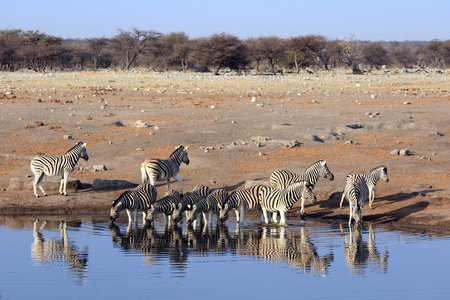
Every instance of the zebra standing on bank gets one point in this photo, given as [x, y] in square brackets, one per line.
[283, 178]
[281, 200]
[55, 165]
[189, 199]
[356, 191]
[137, 199]
[163, 169]
[240, 201]
[372, 178]
[165, 205]
[212, 203]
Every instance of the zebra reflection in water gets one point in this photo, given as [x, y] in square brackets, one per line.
[358, 252]
[57, 252]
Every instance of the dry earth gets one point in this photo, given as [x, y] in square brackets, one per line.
[352, 121]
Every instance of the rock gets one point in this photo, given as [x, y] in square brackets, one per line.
[395, 152]
[254, 99]
[48, 183]
[406, 103]
[141, 124]
[99, 168]
[67, 137]
[404, 152]
[250, 183]
[373, 96]
[100, 184]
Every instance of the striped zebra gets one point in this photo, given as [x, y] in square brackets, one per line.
[356, 191]
[212, 203]
[372, 178]
[55, 165]
[281, 200]
[283, 178]
[189, 199]
[137, 199]
[240, 201]
[163, 169]
[165, 205]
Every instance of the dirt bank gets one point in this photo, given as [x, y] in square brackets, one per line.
[238, 128]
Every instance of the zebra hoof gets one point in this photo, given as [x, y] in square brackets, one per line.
[45, 195]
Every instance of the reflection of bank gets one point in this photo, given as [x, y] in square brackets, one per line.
[59, 252]
[359, 253]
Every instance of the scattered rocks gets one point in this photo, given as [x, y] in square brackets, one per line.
[99, 168]
[141, 124]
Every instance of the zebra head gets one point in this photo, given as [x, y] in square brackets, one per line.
[384, 174]
[181, 154]
[308, 194]
[223, 213]
[324, 171]
[151, 214]
[117, 206]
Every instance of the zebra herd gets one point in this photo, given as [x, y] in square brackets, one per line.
[285, 189]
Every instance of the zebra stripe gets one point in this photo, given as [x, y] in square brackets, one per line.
[138, 199]
[240, 201]
[356, 191]
[163, 169]
[165, 205]
[189, 199]
[281, 200]
[283, 178]
[55, 165]
[212, 203]
[372, 178]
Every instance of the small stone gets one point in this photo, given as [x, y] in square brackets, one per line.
[395, 152]
[373, 96]
[406, 103]
[67, 137]
[99, 168]
[404, 152]
[254, 99]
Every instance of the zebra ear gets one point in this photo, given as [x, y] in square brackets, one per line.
[189, 206]
[185, 147]
[84, 145]
[324, 163]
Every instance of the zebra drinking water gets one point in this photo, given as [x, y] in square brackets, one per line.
[283, 178]
[163, 169]
[55, 165]
[165, 205]
[356, 191]
[138, 199]
[372, 178]
[189, 199]
[281, 200]
[240, 201]
[213, 203]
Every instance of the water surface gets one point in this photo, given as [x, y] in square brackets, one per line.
[83, 257]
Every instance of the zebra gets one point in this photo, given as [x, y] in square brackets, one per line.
[356, 191]
[212, 203]
[54, 165]
[163, 169]
[165, 205]
[137, 199]
[242, 200]
[283, 178]
[281, 200]
[189, 199]
[372, 178]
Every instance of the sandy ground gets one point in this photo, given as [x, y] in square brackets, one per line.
[352, 121]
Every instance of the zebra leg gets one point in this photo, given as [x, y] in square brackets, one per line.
[371, 197]
[130, 217]
[64, 183]
[241, 215]
[266, 219]
[302, 210]
[282, 218]
[275, 217]
[351, 215]
[342, 199]
[37, 181]
[177, 177]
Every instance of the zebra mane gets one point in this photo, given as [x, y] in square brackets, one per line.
[378, 168]
[119, 199]
[177, 151]
[317, 163]
[78, 145]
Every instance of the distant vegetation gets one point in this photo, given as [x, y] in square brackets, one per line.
[151, 50]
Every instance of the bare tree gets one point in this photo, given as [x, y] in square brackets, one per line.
[351, 54]
[129, 44]
[97, 45]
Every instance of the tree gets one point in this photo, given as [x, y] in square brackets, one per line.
[374, 55]
[307, 50]
[10, 43]
[402, 57]
[270, 48]
[96, 45]
[129, 44]
[221, 51]
[351, 54]
[169, 51]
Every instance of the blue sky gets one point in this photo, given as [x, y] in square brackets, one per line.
[365, 20]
